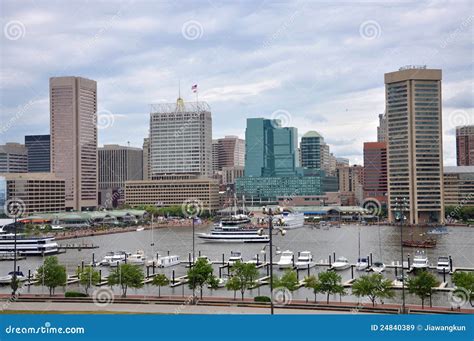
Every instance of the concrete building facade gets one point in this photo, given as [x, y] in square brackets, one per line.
[414, 151]
[39, 192]
[73, 124]
[13, 158]
[465, 145]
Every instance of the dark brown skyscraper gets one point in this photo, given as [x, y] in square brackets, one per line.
[375, 171]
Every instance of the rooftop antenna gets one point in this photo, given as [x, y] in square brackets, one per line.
[179, 101]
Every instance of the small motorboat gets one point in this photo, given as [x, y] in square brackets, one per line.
[256, 259]
[140, 229]
[137, 258]
[378, 267]
[443, 264]
[305, 260]
[286, 260]
[362, 263]
[8, 278]
[420, 261]
[340, 264]
[235, 256]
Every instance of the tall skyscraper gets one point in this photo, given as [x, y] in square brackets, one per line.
[39, 153]
[146, 159]
[117, 164]
[415, 154]
[382, 128]
[229, 152]
[73, 105]
[271, 150]
[181, 139]
[13, 158]
[311, 150]
[325, 158]
[215, 156]
[375, 171]
[465, 145]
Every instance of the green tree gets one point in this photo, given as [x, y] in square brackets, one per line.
[247, 274]
[233, 284]
[372, 286]
[421, 285]
[213, 283]
[288, 280]
[200, 274]
[51, 274]
[312, 282]
[160, 280]
[330, 284]
[126, 275]
[465, 280]
[88, 277]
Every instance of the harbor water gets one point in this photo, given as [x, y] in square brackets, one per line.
[383, 242]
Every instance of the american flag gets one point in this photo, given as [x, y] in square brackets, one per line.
[194, 88]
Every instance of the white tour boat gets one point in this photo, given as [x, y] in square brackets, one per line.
[420, 261]
[286, 260]
[305, 260]
[27, 246]
[340, 264]
[362, 263]
[114, 258]
[163, 261]
[222, 233]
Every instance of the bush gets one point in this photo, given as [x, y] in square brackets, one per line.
[265, 299]
[75, 294]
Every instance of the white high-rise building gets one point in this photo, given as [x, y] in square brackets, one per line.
[181, 139]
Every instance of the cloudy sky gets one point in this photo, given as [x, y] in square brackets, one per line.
[317, 65]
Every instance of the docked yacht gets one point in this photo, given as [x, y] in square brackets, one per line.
[289, 220]
[27, 246]
[378, 267]
[137, 258]
[114, 258]
[362, 263]
[222, 233]
[340, 264]
[305, 260]
[163, 261]
[286, 260]
[8, 278]
[420, 261]
[443, 264]
[235, 256]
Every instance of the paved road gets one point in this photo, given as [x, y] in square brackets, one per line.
[52, 307]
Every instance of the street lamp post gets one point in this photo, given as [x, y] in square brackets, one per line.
[270, 214]
[401, 207]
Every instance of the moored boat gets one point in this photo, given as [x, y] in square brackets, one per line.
[341, 263]
[286, 260]
[420, 260]
[305, 260]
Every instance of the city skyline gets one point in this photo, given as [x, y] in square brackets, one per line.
[265, 76]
